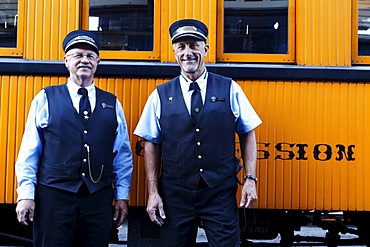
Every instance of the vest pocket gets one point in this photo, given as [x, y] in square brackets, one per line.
[168, 161]
[227, 158]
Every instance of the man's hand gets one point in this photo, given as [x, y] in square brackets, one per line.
[249, 194]
[120, 212]
[25, 211]
[155, 209]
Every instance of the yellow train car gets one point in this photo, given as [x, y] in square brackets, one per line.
[303, 64]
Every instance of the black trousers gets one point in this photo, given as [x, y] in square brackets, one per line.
[215, 208]
[66, 219]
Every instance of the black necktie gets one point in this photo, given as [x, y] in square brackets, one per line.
[196, 101]
[85, 108]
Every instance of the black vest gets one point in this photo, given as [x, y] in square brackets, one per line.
[64, 162]
[204, 149]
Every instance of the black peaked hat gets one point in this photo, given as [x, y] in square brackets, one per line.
[188, 28]
[80, 37]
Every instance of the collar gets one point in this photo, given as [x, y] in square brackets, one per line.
[202, 81]
[73, 88]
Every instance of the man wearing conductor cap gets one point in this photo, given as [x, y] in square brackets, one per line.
[75, 147]
[189, 125]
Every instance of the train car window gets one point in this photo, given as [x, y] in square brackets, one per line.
[361, 35]
[123, 25]
[364, 28]
[257, 27]
[8, 25]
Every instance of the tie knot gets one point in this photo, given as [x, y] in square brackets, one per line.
[194, 86]
[83, 92]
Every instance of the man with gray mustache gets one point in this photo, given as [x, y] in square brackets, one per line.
[189, 125]
[75, 147]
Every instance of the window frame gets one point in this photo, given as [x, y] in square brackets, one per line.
[130, 55]
[257, 57]
[356, 59]
[18, 50]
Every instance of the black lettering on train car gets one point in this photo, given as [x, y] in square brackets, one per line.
[265, 153]
[301, 151]
[342, 150]
[321, 152]
[289, 154]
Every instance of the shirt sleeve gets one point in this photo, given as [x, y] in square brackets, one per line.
[122, 164]
[148, 127]
[245, 116]
[26, 166]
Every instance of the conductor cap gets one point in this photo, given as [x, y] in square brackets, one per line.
[81, 37]
[188, 28]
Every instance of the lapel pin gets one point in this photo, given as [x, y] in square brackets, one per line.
[214, 99]
[104, 105]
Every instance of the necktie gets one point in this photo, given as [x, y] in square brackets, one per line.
[196, 101]
[85, 108]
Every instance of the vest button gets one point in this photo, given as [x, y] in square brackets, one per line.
[85, 131]
[84, 160]
[199, 156]
[197, 130]
[83, 174]
[198, 143]
[201, 170]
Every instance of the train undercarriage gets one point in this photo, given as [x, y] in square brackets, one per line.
[267, 224]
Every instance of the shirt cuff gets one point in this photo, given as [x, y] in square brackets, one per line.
[26, 192]
[122, 193]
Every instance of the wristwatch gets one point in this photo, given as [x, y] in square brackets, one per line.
[251, 177]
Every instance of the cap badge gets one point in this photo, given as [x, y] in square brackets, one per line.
[186, 29]
[87, 38]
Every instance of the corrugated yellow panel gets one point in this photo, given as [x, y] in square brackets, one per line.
[133, 93]
[11, 141]
[47, 24]
[16, 95]
[46, 28]
[312, 144]
[4, 112]
[173, 10]
[323, 32]
[15, 98]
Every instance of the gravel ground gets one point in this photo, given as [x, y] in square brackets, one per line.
[307, 234]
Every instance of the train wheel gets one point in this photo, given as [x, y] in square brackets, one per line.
[287, 236]
[332, 237]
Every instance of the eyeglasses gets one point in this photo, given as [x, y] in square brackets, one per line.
[79, 56]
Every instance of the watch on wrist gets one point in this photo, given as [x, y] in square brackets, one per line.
[251, 177]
